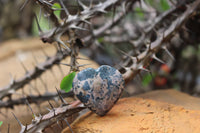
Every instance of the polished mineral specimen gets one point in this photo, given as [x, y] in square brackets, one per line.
[98, 89]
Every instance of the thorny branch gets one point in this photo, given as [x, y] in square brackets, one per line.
[47, 7]
[96, 33]
[33, 99]
[140, 62]
[56, 114]
[31, 75]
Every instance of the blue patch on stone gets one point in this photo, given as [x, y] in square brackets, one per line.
[106, 71]
[82, 98]
[86, 73]
[86, 86]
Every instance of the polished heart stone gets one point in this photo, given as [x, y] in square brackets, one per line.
[98, 89]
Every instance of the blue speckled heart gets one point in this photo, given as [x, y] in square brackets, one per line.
[98, 89]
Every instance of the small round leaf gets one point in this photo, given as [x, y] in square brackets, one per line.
[1, 122]
[66, 83]
[57, 8]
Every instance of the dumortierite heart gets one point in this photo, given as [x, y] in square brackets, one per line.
[98, 89]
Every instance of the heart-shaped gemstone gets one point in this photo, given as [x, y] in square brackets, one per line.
[98, 89]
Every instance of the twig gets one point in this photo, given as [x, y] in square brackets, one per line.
[142, 59]
[42, 122]
[31, 75]
[33, 99]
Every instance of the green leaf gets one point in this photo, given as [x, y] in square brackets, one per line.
[139, 12]
[1, 122]
[147, 79]
[150, 2]
[100, 39]
[164, 5]
[57, 7]
[66, 83]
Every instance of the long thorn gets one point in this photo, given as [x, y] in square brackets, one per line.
[84, 65]
[81, 4]
[61, 98]
[59, 125]
[33, 114]
[8, 128]
[38, 25]
[52, 107]
[159, 60]
[40, 13]
[65, 64]
[18, 120]
[167, 51]
[66, 11]
[26, 70]
[68, 125]
[25, 3]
